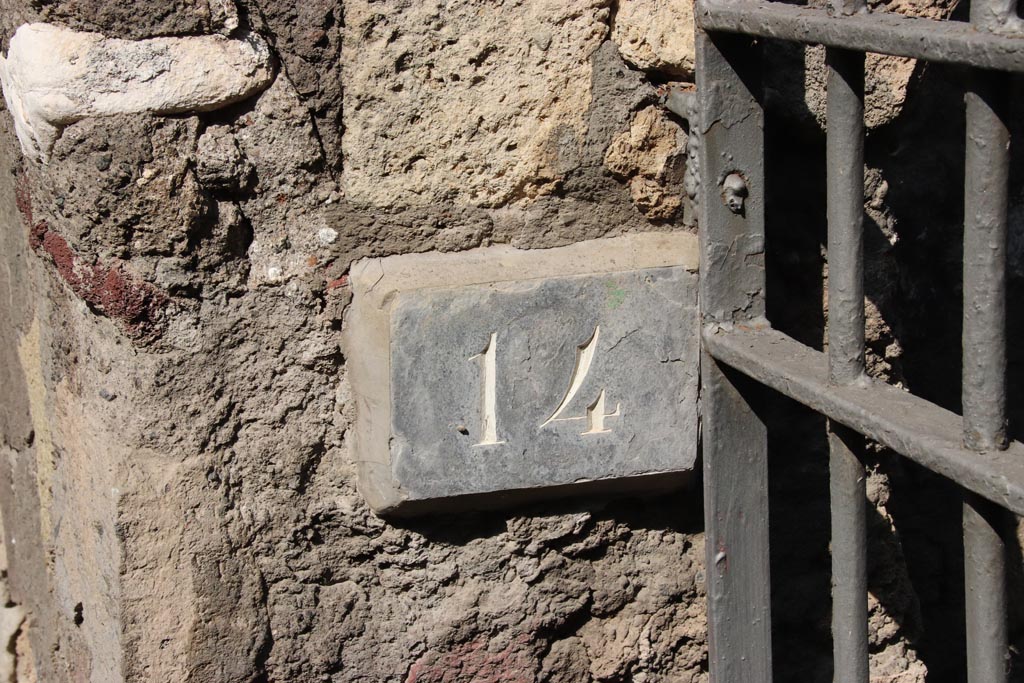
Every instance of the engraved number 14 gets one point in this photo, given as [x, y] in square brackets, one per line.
[595, 415]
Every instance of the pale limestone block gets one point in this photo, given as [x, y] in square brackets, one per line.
[54, 76]
[656, 35]
[886, 79]
[11, 619]
[478, 103]
[645, 156]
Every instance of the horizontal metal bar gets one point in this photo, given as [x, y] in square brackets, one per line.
[934, 40]
[912, 426]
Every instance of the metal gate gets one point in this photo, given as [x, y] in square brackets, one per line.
[741, 350]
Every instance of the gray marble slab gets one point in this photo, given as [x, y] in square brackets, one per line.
[527, 384]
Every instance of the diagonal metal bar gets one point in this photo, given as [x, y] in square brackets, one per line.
[912, 426]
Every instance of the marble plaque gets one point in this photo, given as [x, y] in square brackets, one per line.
[490, 375]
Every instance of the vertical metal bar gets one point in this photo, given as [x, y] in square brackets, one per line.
[987, 168]
[731, 137]
[985, 585]
[845, 161]
[994, 14]
[736, 522]
[984, 325]
[847, 488]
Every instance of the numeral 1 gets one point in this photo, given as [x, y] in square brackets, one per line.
[595, 416]
[489, 426]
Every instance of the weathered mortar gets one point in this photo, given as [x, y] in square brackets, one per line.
[177, 472]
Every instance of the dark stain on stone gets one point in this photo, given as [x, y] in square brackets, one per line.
[108, 288]
[23, 198]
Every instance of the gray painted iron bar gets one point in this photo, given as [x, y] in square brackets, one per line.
[986, 190]
[986, 187]
[736, 523]
[914, 427]
[934, 40]
[848, 491]
[731, 125]
[731, 137]
[847, 8]
[845, 169]
[985, 591]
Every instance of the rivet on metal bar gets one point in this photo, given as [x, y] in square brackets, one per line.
[731, 126]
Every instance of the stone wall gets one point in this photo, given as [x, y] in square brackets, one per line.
[177, 486]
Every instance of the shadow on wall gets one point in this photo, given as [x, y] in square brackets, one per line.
[678, 512]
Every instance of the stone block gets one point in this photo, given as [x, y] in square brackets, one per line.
[656, 35]
[53, 76]
[476, 103]
[509, 372]
[650, 155]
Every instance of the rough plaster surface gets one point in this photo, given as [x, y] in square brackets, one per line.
[656, 35]
[187, 277]
[176, 474]
[142, 18]
[53, 76]
[651, 157]
[484, 103]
